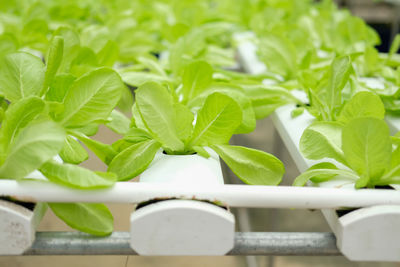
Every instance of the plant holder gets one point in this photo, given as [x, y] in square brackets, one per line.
[165, 226]
[367, 234]
[364, 234]
[19, 220]
[17, 226]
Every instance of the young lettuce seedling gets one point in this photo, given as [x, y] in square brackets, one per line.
[366, 149]
[326, 93]
[160, 122]
[360, 140]
[45, 108]
[352, 132]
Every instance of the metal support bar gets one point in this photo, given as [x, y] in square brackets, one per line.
[289, 244]
[76, 243]
[246, 243]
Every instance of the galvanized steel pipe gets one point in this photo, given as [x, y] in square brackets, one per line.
[261, 243]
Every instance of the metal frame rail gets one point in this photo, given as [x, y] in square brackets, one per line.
[246, 243]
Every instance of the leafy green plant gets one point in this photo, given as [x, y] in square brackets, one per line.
[325, 92]
[359, 140]
[365, 147]
[199, 79]
[161, 122]
[186, 98]
[40, 112]
[350, 129]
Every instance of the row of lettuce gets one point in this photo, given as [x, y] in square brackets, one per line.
[68, 68]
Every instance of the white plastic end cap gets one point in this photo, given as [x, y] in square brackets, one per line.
[182, 227]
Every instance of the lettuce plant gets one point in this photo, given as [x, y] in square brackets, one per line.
[327, 92]
[41, 109]
[384, 70]
[199, 79]
[350, 130]
[124, 30]
[358, 139]
[363, 145]
[302, 41]
[161, 122]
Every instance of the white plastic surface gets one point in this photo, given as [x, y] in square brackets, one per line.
[394, 123]
[184, 169]
[182, 227]
[367, 234]
[17, 223]
[248, 58]
[17, 227]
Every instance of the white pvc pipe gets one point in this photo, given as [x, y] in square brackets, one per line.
[232, 195]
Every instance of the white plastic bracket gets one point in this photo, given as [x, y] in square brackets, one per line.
[17, 226]
[183, 226]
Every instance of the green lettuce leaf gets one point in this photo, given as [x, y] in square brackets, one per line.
[59, 87]
[17, 116]
[119, 122]
[323, 140]
[338, 77]
[362, 104]
[279, 54]
[216, 121]
[236, 93]
[21, 75]
[91, 98]
[303, 178]
[251, 166]
[138, 78]
[73, 152]
[94, 219]
[136, 135]
[37, 143]
[156, 108]
[367, 147]
[394, 47]
[53, 61]
[134, 160]
[109, 54]
[197, 76]
[76, 177]
[183, 121]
